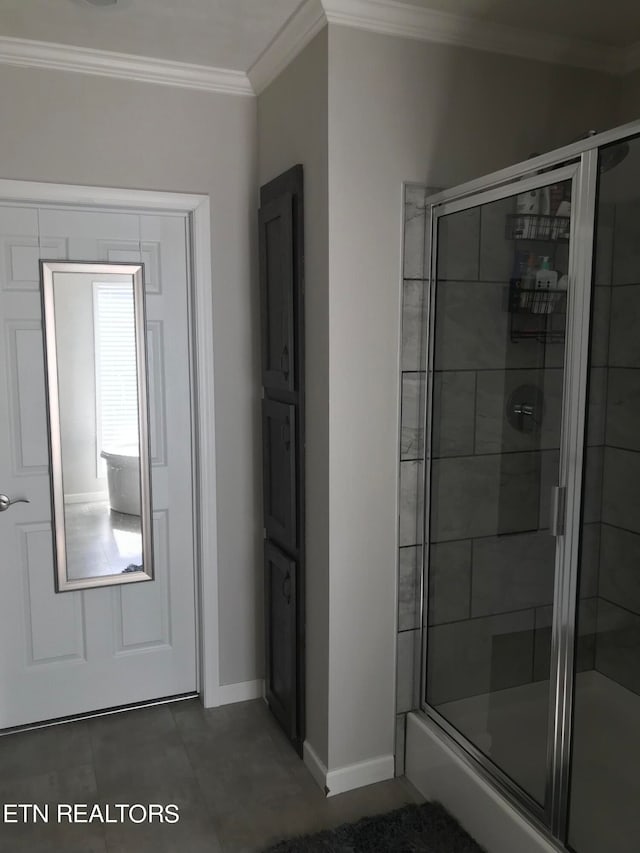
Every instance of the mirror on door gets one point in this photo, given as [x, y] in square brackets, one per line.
[94, 335]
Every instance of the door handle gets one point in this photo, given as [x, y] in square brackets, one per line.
[558, 499]
[6, 502]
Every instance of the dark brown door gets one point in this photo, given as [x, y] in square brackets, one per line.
[280, 606]
[279, 478]
[282, 319]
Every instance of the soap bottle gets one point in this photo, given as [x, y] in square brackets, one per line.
[546, 280]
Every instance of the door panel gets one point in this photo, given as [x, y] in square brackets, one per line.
[280, 452]
[79, 651]
[276, 276]
[280, 588]
[496, 379]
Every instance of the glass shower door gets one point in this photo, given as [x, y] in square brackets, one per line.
[498, 321]
[605, 784]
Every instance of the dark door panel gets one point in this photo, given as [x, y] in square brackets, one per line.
[279, 472]
[276, 277]
[281, 235]
[281, 631]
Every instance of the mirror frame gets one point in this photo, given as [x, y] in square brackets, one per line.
[47, 271]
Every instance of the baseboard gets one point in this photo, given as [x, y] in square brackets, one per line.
[350, 777]
[243, 691]
[314, 765]
[358, 775]
[86, 497]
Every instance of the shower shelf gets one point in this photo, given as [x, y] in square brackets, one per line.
[532, 226]
[538, 315]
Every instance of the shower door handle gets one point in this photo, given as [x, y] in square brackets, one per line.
[558, 501]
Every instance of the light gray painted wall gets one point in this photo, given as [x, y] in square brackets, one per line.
[292, 128]
[73, 128]
[402, 110]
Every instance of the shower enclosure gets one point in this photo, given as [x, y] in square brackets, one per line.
[530, 665]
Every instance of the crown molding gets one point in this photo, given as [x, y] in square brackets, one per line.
[124, 66]
[305, 23]
[415, 22]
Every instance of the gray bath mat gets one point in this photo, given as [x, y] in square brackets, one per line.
[424, 828]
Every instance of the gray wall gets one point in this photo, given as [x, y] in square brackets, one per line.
[79, 129]
[399, 111]
[292, 128]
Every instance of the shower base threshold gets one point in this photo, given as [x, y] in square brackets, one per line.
[606, 788]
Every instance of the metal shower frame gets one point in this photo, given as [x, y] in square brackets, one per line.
[578, 163]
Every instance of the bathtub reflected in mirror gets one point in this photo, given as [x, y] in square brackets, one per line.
[94, 330]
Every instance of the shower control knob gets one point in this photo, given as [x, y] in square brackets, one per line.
[6, 502]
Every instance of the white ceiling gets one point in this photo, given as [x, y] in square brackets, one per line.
[220, 33]
[233, 33]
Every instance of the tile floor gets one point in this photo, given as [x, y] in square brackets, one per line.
[100, 541]
[237, 782]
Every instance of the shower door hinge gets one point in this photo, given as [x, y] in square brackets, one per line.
[558, 502]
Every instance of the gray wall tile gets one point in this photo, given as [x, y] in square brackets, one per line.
[459, 245]
[619, 580]
[479, 655]
[449, 581]
[512, 573]
[412, 424]
[494, 432]
[413, 326]
[408, 652]
[592, 510]
[605, 217]
[411, 502]
[484, 495]
[496, 252]
[590, 560]
[600, 329]
[626, 244]
[618, 645]
[409, 567]
[624, 346]
[621, 489]
[453, 413]
[414, 236]
[623, 408]
[472, 329]
[597, 405]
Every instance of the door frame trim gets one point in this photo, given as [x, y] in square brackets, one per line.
[197, 208]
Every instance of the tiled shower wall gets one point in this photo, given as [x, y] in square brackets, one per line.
[489, 594]
[618, 636]
[412, 378]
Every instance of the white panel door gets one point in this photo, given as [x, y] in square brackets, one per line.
[73, 652]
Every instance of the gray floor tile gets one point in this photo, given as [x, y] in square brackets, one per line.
[234, 777]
